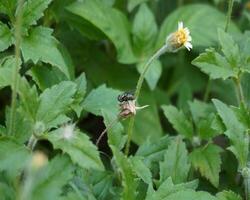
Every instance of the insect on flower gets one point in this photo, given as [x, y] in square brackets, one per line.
[179, 38]
[127, 104]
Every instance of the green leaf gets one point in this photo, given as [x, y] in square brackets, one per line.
[28, 98]
[153, 151]
[55, 101]
[189, 194]
[229, 48]
[201, 24]
[46, 76]
[141, 170]
[40, 45]
[207, 160]
[153, 74]
[6, 37]
[200, 109]
[179, 121]
[129, 182]
[228, 195]
[8, 7]
[101, 98]
[111, 22]
[167, 188]
[77, 145]
[23, 128]
[235, 132]
[33, 10]
[144, 31]
[115, 133]
[133, 3]
[215, 65]
[81, 83]
[175, 163]
[13, 156]
[7, 66]
[48, 182]
[101, 182]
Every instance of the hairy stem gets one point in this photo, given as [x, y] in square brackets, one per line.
[229, 13]
[239, 90]
[18, 26]
[138, 90]
[32, 142]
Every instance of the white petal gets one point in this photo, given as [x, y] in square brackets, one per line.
[189, 38]
[188, 45]
[187, 31]
[180, 25]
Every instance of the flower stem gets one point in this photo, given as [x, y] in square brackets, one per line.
[206, 94]
[229, 13]
[138, 90]
[239, 90]
[32, 142]
[18, 26]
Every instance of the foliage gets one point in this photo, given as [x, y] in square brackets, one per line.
[63, 64]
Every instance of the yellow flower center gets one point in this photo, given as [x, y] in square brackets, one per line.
[180, 36]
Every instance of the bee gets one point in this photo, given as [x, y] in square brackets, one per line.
[126, 96]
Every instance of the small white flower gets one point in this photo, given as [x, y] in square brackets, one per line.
[179, 38]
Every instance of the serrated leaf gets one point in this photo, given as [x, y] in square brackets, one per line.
[239, 139]
[46, 76]
[101, 182]
[8, 7]
[23, 128]
[228, 195]
[13, 156]
[167, 188]
[141, 170]
[48, 182]
[153, 151]
[215, 65]
[129, 182]
[144, 31]
[6, 37]
[78, 146]
[54, 101]
[200, 109]
[153, 74]
[179, 121]
[190, 194]
[7, 66]
[198, 22]
[229, 48]
[81, 84]
[175, 163]
[101, 98]
[207, 160]
[40, 45]
[111, 22]
[28, 98]
[33, 10]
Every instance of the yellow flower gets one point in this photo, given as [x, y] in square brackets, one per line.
[179, 39]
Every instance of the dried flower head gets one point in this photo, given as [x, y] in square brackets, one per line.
[68, 131]
[128, 105]
[179, 39]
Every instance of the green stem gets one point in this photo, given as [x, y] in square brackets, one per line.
[18, 26]
[206, 94]
[138, 90]
[239, 90]
[229, 13]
